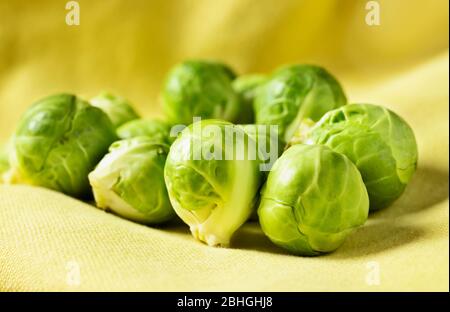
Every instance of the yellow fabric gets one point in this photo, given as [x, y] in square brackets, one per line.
[127, 47]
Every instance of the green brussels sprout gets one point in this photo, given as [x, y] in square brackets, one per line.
[199, 89]
[129, 180]
[246, 86]
[152, 128]
[59, 140]
[378, 141]
[294, 93]
[212, 179]
[312, 200]
[118, 109]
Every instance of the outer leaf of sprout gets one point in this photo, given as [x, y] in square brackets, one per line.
[129, 180]
[118, 109]
[294, 93]
[312, 199]
[58, 142]
[378, 141]
[199, 89]
[214, 197]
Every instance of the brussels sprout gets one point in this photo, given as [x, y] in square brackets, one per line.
[213, 179]
[294, 93]
[129, 180]
[312, 200]
[118, 109]
[379, 142]
[199, 89]
[58, 142]
[246, 87]
[152, 128]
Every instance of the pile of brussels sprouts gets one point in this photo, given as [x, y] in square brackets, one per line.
[334, 163]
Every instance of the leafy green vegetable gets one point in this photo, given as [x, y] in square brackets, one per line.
[58, 141]
[294, 93]
[378, 141]
[152, 128]
[199, 89]
[129, 180]
[118, 109]
[312, 200]
[213, 184]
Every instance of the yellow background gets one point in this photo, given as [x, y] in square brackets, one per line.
[128, 46]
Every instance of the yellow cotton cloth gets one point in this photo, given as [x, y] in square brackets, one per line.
[52, 242]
